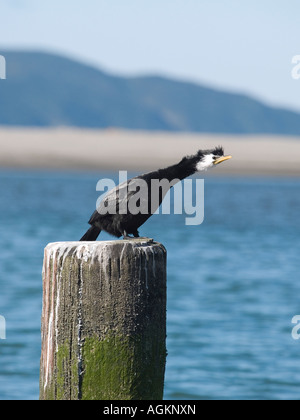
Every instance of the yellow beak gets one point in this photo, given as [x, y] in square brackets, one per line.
[222, 159]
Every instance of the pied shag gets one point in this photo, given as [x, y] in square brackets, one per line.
[110, 215]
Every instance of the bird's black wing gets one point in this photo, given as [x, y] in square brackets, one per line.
[119, 200]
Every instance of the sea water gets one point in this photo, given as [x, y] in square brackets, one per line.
[233, 282]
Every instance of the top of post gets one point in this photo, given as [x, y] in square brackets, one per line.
[97, 244]
[86, 249]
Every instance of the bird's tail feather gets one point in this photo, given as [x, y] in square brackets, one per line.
[92, 234]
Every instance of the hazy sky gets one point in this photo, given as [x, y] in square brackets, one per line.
[241, 45]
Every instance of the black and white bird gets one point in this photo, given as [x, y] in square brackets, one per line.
[114, 216]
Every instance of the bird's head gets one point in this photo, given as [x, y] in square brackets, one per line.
[206, 159]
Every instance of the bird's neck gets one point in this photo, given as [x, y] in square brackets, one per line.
[179, 171]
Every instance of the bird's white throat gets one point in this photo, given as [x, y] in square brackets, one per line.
[205, 163]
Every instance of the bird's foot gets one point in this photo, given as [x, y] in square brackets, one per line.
[126, 236]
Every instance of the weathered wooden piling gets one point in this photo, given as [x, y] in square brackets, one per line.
[103, 321]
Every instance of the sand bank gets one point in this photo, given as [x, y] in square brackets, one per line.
[76, 149]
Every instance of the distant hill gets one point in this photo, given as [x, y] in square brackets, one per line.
[48, 90]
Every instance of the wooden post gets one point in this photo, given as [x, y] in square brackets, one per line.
[104, 321]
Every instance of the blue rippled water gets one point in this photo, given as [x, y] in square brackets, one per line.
[233, 283]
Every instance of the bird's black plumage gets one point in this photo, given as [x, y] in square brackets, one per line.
[114, 215]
